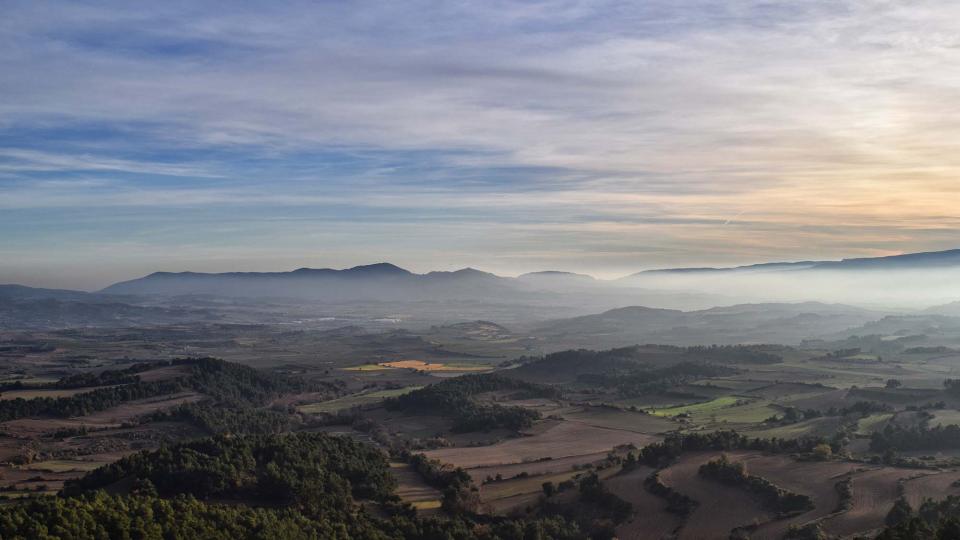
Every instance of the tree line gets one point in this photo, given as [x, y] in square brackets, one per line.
[784, 503]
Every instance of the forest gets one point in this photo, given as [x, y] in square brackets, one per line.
[455, 398]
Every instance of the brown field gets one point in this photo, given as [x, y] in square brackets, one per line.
[603, 417]
[410, 425]
[512, 505]
[48, 474]
[9, 447]
[521, 486]
[814, 479]
[36, 427]
[414, 490]
[784, 390]
[32, 428]
[556, 439]
[825, 400]
[650, 519]
[874, 493]
[722, 508]
[545, 407]
[512, 496]
[27, 481]
[931, 486]
[162, 373]
[479, 474]
[45, 393]
[133, 409]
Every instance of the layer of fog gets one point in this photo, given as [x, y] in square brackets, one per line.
[886, 289]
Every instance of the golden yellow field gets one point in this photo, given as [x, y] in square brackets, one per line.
[418, 365]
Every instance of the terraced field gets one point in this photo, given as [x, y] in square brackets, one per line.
[414, 490]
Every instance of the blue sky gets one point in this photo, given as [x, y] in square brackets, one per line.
[600, 137]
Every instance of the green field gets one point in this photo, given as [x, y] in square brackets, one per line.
[705, 407]
[354, 400]
[368, 367]
[873, 423]
[724, 409]
[945, 417]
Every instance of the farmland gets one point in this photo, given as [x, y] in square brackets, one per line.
[355, 400]
[579, 423]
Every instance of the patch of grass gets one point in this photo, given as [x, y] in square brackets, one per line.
[873, 423]
[752, 412]
[367, 367]
[705, 407]
[427, 505]
[467, 367]
[945, 417]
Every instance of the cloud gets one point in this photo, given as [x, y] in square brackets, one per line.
[638, 124]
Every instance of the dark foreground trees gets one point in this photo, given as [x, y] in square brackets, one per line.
[297, 486]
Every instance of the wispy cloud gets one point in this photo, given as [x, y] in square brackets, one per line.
[823, 125]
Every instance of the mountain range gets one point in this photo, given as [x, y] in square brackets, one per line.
[383, 290]
[388, 281]
[908, 261]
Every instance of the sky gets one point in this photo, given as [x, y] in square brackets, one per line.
[599, 137]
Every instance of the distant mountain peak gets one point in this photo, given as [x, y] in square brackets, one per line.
[462, 273]
[383, 268]
[378, 268]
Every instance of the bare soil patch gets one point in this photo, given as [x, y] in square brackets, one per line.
[931, 486]
[722, 508]
[825, 400]
[555, 439]
[605, 417]
[816, 479]
[650, 519]
[133, 409]
[479, 474]
[162, 373]
[45, 393]
[874, 493]
[112, 417]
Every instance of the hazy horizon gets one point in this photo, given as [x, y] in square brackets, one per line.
[595, 137]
